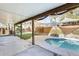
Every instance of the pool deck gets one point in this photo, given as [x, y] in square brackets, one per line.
[36, 51]
[14, 46]
[10, 45]
[40, 40]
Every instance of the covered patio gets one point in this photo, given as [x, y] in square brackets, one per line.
[56, 11]
[29, 34]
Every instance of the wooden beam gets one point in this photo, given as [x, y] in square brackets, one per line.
[9, 28]
[33, 39]
[21, 30]
[68, 7]
[14, 30]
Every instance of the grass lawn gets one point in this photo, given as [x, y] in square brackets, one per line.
[26, 36]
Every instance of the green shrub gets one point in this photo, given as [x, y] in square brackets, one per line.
[26, 36]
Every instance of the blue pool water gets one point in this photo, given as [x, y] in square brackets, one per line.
[64, 43]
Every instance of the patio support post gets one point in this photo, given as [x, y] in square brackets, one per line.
[9, 28]
[14, 30]
[21, 30]
[33, 40]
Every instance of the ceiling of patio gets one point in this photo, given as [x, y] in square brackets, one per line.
[24, 10]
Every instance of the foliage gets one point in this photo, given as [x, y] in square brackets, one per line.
[26, 36]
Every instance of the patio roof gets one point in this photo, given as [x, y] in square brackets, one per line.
[58, 10]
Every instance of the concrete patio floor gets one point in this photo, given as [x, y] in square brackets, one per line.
[10, 45]
[14, 46]
[36, 51]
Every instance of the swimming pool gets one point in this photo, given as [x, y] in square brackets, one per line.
[63, 43]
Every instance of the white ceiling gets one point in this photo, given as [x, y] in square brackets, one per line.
[27, 9]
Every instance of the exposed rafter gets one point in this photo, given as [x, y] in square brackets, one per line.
[66, 7]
